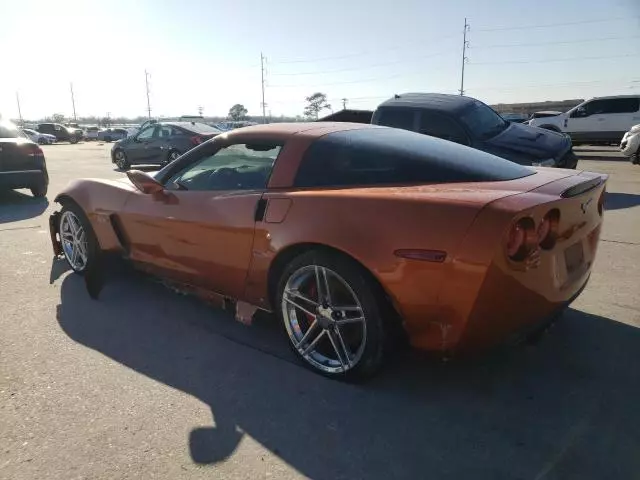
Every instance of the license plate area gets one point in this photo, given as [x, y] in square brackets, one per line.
[574, 257]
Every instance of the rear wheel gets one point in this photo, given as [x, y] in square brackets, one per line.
[121, 160]
[39, 191]
[73, 140]
[78, 240]
[330, 312]
[173, 155]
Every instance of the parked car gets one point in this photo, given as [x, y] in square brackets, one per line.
[159, 143]
[599, 120]
[22, 163]
[630, 144]
[39, 138]
[468, 121]
[515, 117]
[469, 249]
[112, 134]
[62, 133]
[91, 133]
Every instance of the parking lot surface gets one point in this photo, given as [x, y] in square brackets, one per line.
[146, 383]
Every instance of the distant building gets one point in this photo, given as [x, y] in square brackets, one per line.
[529, 108]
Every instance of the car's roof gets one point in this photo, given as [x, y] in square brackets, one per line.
[433, 101]
[615, 96]
[313, 129]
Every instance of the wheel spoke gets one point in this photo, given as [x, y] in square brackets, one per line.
[74, 254]
[348, 308]
[68, 236]
[297, 294]
[307, 334]
[345, 321]
[322, 282]
[313, 343]
[297, 305]
[337, 350]
[343, 345]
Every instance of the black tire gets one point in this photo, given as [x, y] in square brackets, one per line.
[93, 248]
[39, 191]
[370, 297]
[121, 160]
[171, 156]
[107, 139]
[73, 140]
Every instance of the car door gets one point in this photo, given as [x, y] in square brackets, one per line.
[161, 143]
[199, 230]
[138, 149]
[441, 126]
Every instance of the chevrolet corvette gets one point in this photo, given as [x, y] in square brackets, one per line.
[351, 234]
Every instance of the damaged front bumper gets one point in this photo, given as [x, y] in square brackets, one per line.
[54, 232]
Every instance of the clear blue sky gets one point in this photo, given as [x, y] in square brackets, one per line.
[207, 52]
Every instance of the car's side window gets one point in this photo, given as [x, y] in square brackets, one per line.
[396, 118]
[623, 105]
[147, 133]
[236, 167]
[439, 126]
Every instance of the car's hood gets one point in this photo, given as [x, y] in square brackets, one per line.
[522, 143]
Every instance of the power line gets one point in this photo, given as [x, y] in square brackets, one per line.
[421, 72]
[569, 42]
[569, 59]
[545, 85]
[581, 22]
[348, 69]
[359, 54]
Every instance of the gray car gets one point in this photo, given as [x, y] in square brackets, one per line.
[160, 143]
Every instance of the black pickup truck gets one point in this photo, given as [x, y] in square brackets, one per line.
[469, 122]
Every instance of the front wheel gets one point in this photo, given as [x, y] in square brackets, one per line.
[39, 191]
[73, 140]
[121, 160]
[78, 240]
[173, 155]
[332, 316]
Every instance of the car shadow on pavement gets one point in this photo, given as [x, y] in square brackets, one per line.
[566, 407]
[15, 206]
[618, 201]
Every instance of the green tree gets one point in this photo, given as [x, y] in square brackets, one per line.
[315, 104]
[57, 118]
[238, 112]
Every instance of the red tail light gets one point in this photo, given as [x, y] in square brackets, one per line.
[521, 239]
[33, 150]
[197, 140]
[548, 229]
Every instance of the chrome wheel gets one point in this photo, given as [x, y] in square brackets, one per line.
[173, 155]
[121, 159]
[74, 241]
[324, 319]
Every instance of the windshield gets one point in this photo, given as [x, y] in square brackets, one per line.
[482, 121]
[8, 130]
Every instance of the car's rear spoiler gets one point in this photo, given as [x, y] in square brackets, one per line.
[583, 187]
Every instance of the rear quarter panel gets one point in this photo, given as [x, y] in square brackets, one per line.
[369, 230]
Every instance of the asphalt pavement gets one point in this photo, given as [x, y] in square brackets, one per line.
[146, 383]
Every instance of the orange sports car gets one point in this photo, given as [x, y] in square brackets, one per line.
[350, 233]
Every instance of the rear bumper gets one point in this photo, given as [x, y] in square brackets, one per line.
[22, 179]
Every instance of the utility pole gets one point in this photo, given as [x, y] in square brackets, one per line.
[146, 82]
[344, 103]
[264, 105]
[19, 111]
[73, 102]
[465, 44]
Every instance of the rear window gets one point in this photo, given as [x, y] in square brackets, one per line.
[9, 131]
[395, 117]
[202, 128]
[385, 156]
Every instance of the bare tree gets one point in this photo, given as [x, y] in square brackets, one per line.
[315, 104]
[238, 112]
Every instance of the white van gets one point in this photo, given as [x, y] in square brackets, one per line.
[599, 120]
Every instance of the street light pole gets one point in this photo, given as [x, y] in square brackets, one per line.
[19, 111]
[73, 102]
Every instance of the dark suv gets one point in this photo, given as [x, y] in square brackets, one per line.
[159, 143]
[62, 133]
[22, 163]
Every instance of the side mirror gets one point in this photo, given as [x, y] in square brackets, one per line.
[579, 113]
[144, 182]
